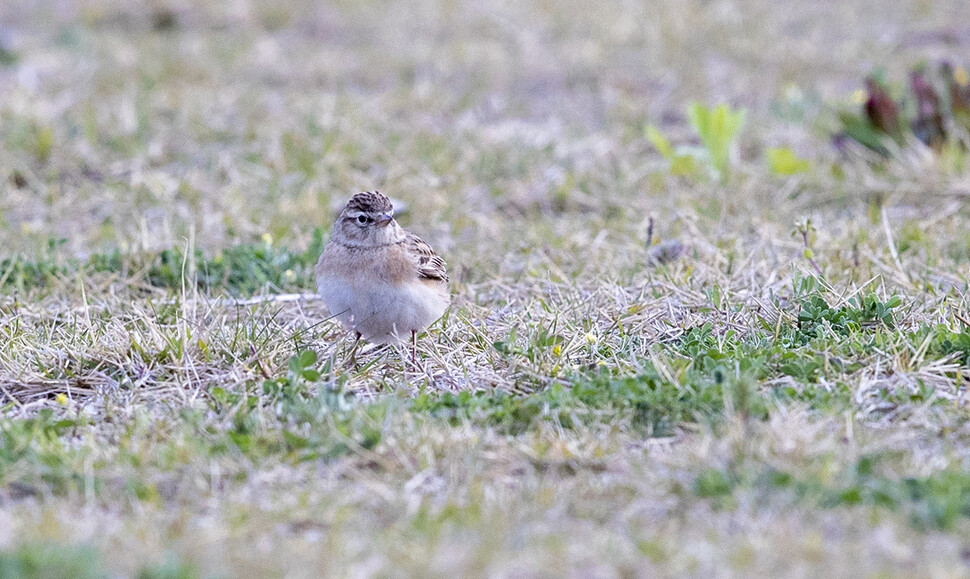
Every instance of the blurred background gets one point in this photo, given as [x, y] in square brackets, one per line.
[138, 125]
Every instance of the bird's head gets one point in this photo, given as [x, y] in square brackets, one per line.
[367, 220]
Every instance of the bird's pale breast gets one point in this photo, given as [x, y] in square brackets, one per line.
[377, 291]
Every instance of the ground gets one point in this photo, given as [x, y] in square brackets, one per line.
[734, 373]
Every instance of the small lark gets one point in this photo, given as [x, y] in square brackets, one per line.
[379, 280]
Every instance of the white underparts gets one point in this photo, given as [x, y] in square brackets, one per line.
[383, 312]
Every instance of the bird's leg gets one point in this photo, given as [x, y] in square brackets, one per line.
[414, 348]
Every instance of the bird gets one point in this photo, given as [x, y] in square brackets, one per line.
[378, 280]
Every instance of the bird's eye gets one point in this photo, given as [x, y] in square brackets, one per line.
[362, 219]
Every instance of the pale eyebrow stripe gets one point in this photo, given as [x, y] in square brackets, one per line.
[355, 213]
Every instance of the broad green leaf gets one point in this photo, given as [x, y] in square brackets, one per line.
[784, 161]
[308, 358]
[684, 166]
[861, 131]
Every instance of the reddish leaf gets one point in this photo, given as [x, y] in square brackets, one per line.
[928, 125]
[881, 110]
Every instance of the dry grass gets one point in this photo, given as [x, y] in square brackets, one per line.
[682, 418]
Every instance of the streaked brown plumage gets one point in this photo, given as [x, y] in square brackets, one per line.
[379, 280]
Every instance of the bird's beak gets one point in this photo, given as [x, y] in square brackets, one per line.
[384, 218]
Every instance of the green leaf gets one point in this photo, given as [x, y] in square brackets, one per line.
[660, 142]
[784, 161]
[715, 295]
[308, 359]
[718, 129]
[684, 166]
[862, 131]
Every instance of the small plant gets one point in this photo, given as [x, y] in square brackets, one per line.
[870, 309]
[682, 161]
[809, 235]
[945, 342]
[816, 314]
[934, 109]
[717, 128]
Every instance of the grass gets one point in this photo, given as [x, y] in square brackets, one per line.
[742, 354]
[243, 269]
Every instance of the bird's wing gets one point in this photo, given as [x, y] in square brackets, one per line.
[430, 265]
